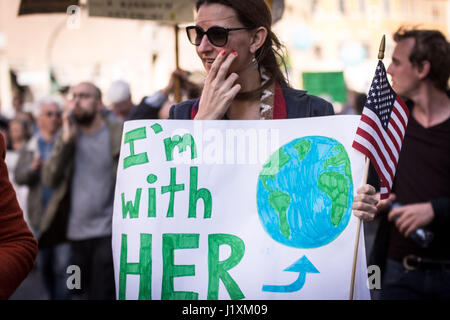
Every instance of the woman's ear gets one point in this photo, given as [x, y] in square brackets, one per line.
[258, 39]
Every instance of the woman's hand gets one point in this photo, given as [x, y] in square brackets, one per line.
[367, 203]
[219, 90]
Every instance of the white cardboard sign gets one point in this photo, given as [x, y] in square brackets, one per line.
[238, 210]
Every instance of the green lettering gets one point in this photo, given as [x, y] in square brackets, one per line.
[182, 144]
[129, 207]
[195, 195]
[171, 242]
[143, 268]
[218, 269]
[134, 159]
[151, 196]
[172, 188]
[156, 128]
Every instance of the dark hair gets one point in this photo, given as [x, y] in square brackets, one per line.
[431, 46]
[97, 91]
[254, 14]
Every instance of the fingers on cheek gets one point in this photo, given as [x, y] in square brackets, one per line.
[214, 69]
[235, 90]
[214, 85]
[234, 76]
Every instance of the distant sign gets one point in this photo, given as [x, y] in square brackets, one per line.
[45, 6]
[326, 84]
[161, 10]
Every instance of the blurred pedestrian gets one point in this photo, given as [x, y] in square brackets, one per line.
[241, 55]
[82, 169]
[42, 207]
[18, 100]
[18, 135]
[420, 198]
[355, 103]
[20, 108]
[157, 106]
[119, 95]
[18, 248]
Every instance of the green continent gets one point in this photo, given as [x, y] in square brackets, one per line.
[280, 202]
[302, 147]
[335, 185]
[339, 159]
[276, 161]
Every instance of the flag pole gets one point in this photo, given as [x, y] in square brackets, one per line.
[366, 173]
[358, 231]
[177, 83]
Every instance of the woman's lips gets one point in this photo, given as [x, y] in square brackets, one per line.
[208, 63]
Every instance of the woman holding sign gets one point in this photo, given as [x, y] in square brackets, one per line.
[241, 55]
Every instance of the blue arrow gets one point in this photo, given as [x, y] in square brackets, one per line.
[302, 266]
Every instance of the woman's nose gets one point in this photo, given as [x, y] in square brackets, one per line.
[205, 45]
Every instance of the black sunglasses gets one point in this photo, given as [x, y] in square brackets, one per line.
[218, 36]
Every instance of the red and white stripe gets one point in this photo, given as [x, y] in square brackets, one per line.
[381, 146]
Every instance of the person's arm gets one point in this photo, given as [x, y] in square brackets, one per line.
[54, 168]
[441, 208]
[18, 248]
[26, 171]
[434, 213]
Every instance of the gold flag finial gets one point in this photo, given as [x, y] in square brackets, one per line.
[382, 48]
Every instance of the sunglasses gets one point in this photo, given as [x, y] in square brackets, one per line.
[217, 36]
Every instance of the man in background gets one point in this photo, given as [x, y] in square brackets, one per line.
[420, 71]
[83, 167]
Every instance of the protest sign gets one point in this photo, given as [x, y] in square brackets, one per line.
[237, 210]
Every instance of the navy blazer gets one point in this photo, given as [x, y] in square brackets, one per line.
[299, 104]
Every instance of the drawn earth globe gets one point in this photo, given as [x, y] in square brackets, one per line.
[305, 192]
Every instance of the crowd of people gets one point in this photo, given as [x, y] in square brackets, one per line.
[62, 155]
[65, 153]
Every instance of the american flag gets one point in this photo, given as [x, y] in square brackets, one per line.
[382, 129]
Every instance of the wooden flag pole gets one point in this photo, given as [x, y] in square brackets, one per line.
[366, 173]
[358, 231]
[177, 83]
